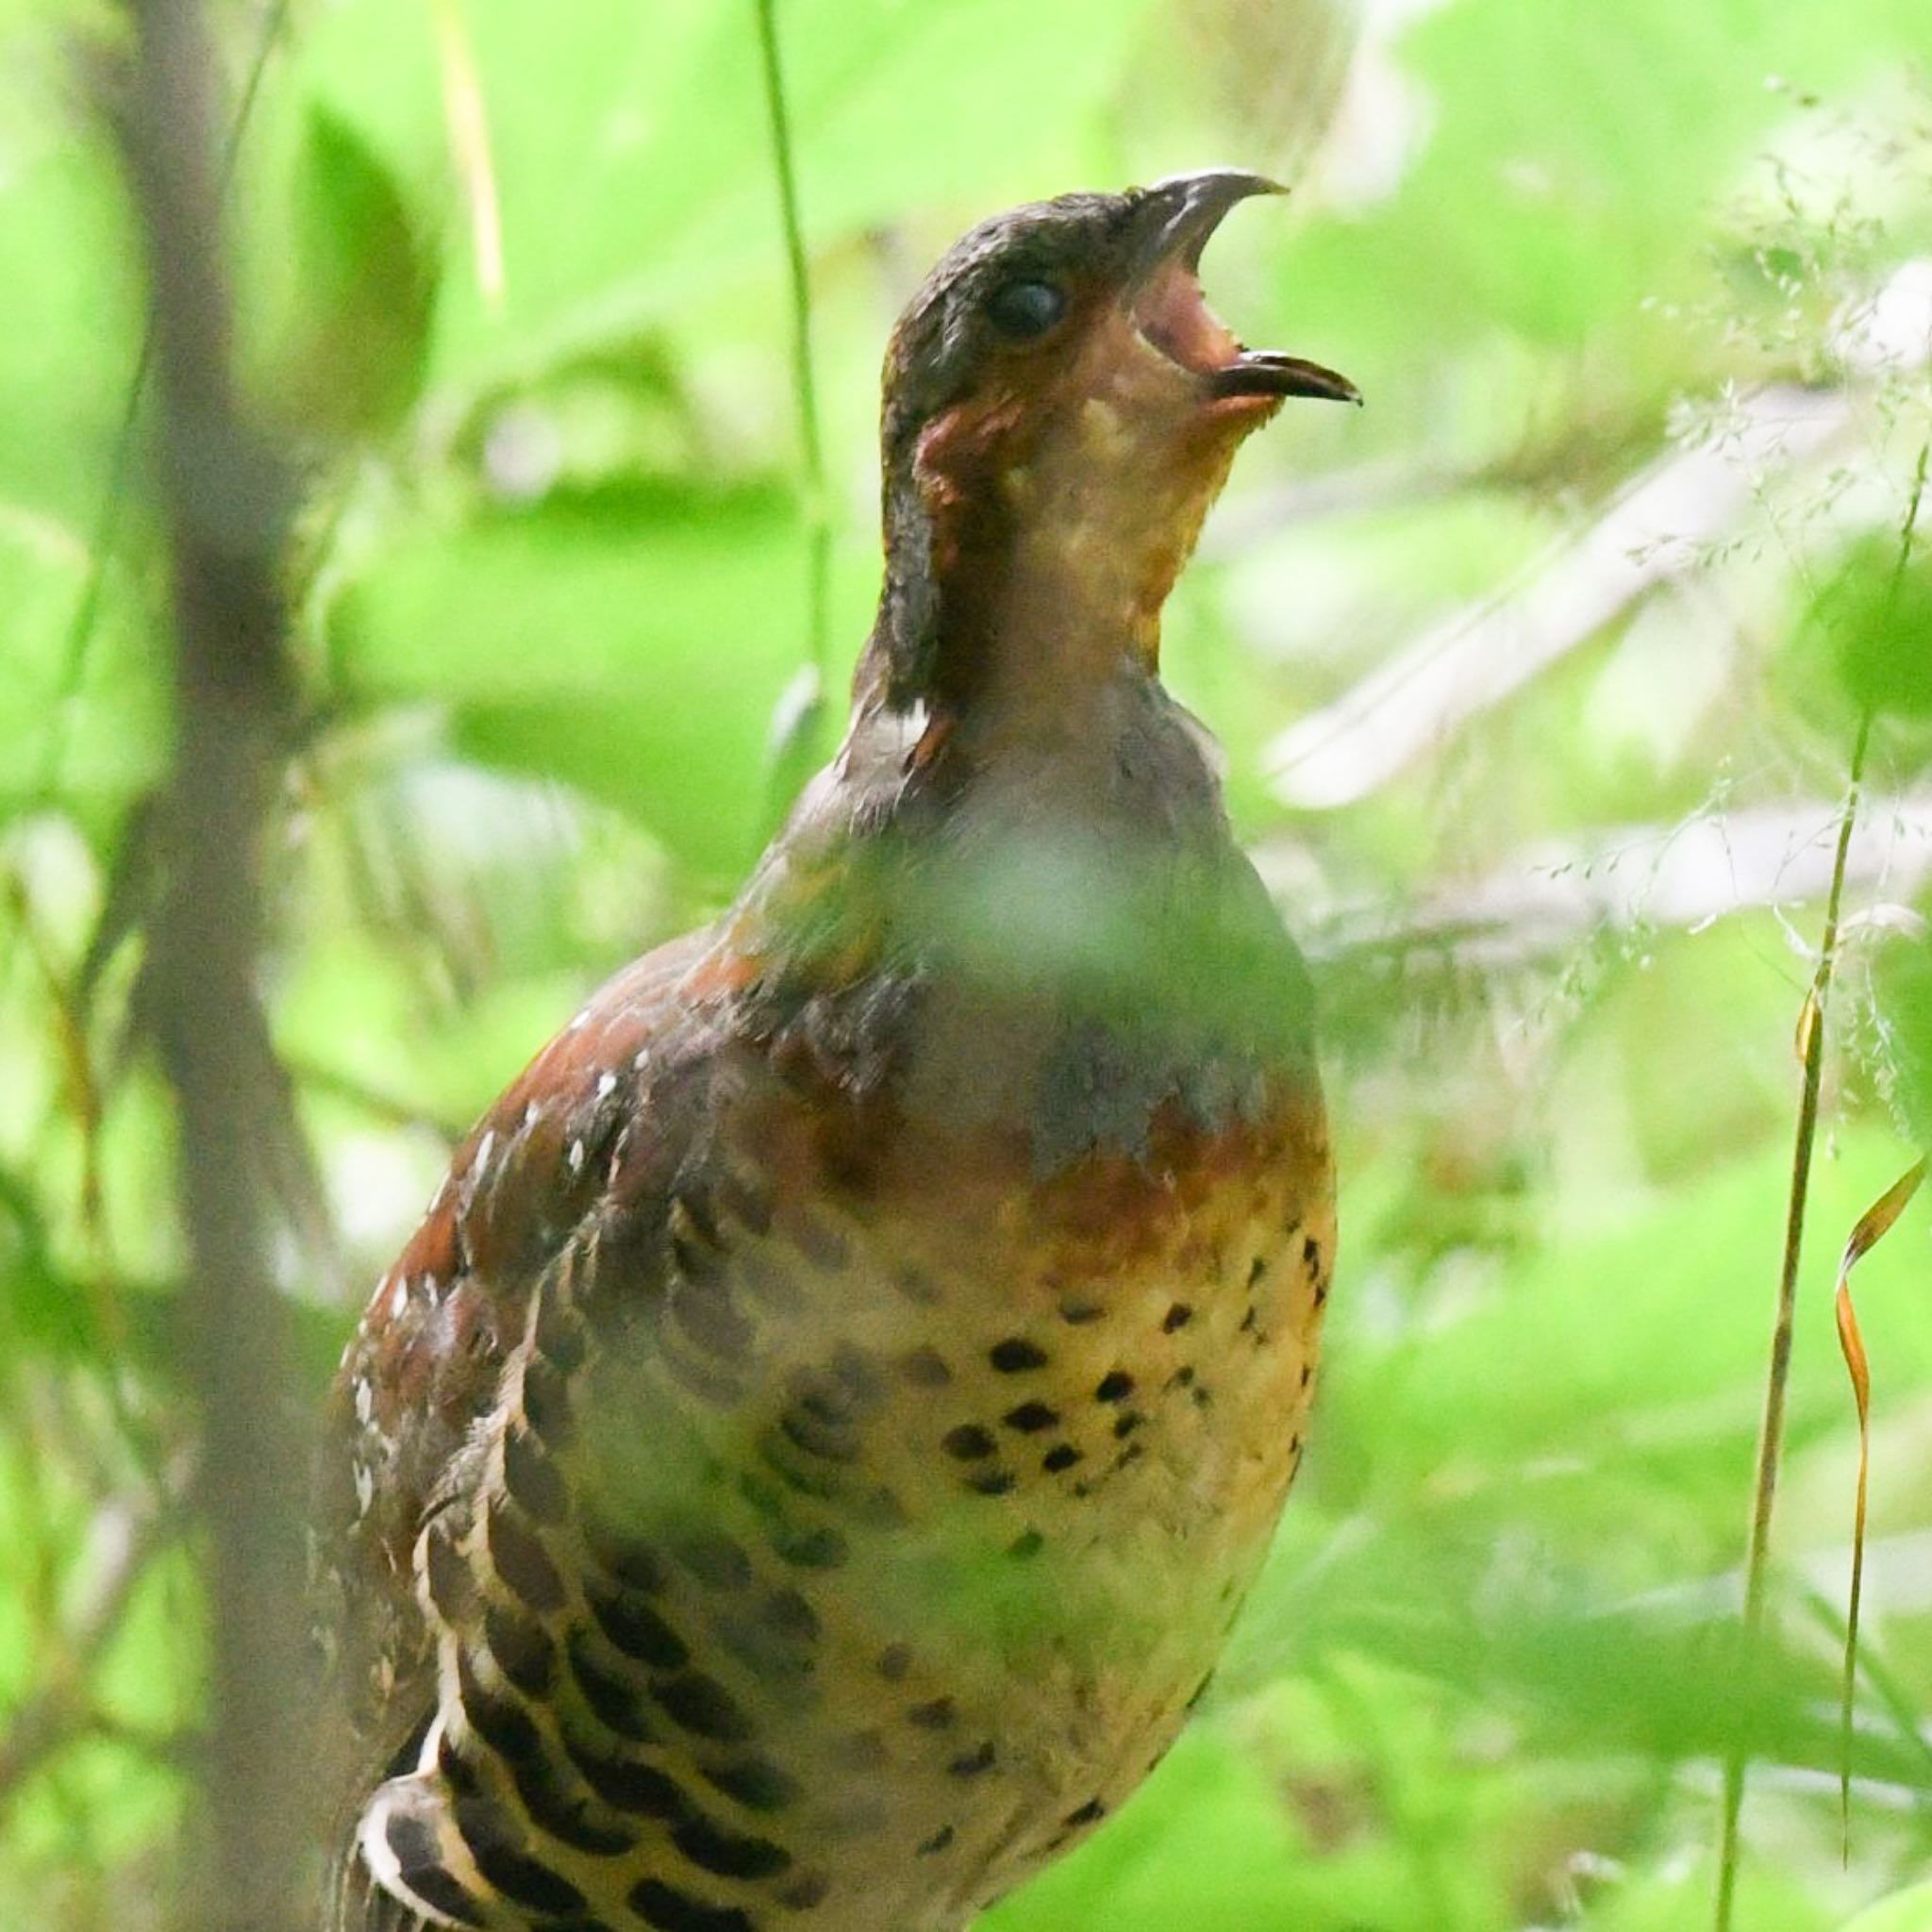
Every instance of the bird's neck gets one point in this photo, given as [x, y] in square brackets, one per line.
[1022, 590]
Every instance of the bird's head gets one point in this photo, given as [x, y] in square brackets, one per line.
[1061, 407]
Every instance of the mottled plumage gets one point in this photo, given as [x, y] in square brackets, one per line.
[804, 1468]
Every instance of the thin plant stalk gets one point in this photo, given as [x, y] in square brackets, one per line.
[795, 728]
[1772, 1428]
[1811, 1055]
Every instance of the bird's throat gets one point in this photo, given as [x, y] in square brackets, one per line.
[1044, 561]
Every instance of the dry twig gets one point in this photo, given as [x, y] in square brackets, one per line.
[225, 505]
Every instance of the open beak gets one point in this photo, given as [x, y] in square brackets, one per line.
[1174, 220]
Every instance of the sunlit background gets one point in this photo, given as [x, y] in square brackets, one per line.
[1539, 681]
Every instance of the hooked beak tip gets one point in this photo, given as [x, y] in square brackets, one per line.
[1187, 209]
[1180, 214]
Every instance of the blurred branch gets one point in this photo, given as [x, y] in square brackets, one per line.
[1539, 902]
[1666, 526]
[227, 505]
[1654, 533]
[1559, 465]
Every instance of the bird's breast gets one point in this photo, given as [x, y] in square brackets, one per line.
[858, 1528]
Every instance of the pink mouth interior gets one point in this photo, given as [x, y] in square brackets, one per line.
[1173, 316]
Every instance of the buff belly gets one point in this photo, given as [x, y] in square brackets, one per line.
[838, 1591]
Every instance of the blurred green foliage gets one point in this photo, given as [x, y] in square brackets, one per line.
[1584, 263]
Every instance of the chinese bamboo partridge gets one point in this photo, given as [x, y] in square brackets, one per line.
[802, 1469]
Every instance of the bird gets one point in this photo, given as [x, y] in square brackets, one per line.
[802, 1469]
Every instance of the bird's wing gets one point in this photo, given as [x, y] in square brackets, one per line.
[426, 1360]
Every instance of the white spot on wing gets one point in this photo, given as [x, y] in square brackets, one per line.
[902, 730]
[576, 1156]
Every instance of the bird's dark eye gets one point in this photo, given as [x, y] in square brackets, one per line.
[1024, 310]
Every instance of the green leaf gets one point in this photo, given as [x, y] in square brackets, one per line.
[356, 343]
[73, 305]
[43, 1311]
[632, 159]
[1877, 615]
[624, 639]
